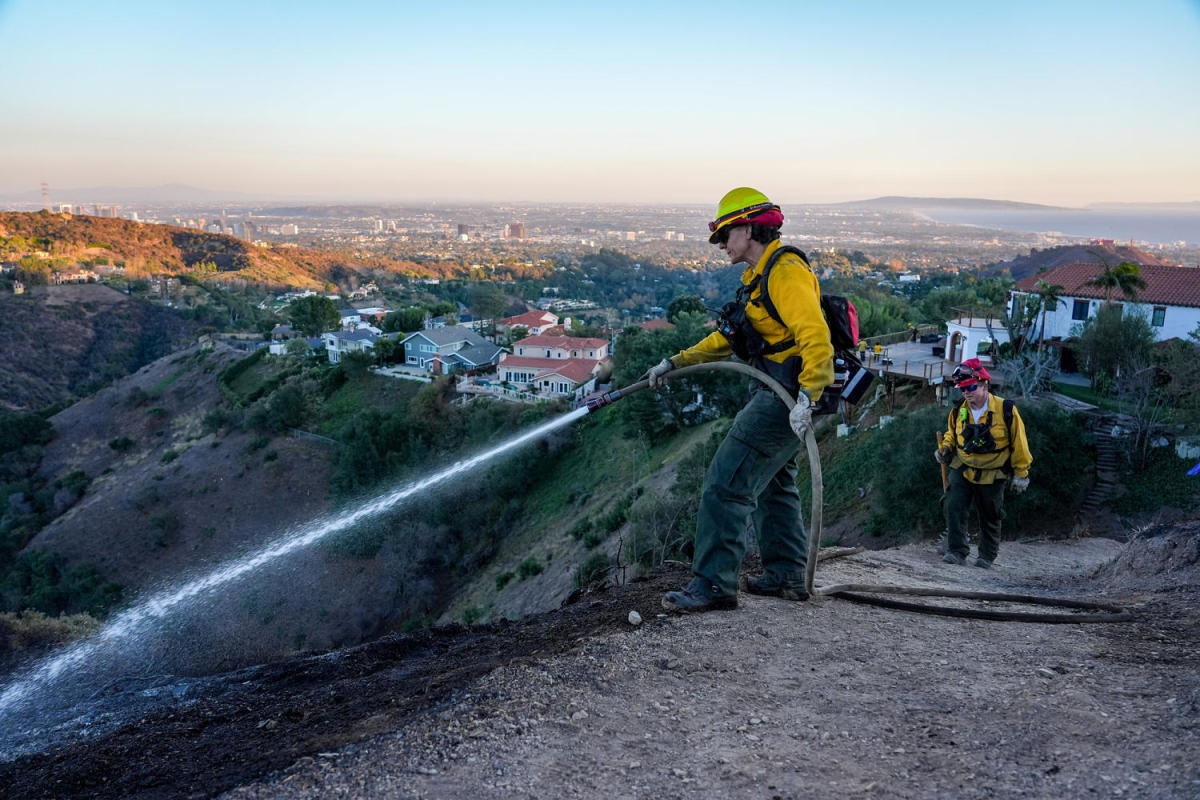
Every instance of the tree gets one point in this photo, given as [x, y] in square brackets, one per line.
[687, 302]
[488, 301]
[406, 320]
[313, 315]
[385, 350]
[1050, 298]
[1125, 276]
[1112, 342]
[296, 347]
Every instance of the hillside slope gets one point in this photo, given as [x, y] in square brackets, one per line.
[150, 249]
[60, 343]
[1037, 260]
[775, 699]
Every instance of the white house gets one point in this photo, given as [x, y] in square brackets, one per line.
[1170, 302]
[561, 347]
[556, 366]
[338, 343]
[974, 337]
[535, 322]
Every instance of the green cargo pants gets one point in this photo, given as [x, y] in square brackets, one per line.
[752, 479]
[988, 499]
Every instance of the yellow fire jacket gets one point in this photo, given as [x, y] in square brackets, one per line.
[797, 296]
[989, 467]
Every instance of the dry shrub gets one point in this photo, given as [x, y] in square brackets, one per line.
[33, 629]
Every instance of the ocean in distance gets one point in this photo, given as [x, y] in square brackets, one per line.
[1159, 227]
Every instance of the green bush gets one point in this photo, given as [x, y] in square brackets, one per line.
[121, 443]
[40, 580]
[581, 528]
[18, 430]
[529, 567]
[1162, 482]
[593, 538]
[168, 456]
[217, 419]
[471, 615]
[503, 579]
[591, 570]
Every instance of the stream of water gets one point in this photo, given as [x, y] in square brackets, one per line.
[143, 621]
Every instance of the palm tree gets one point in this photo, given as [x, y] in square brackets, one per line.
[1125, 276]
[1050, 298]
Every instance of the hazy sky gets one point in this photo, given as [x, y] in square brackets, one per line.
[1055, 102]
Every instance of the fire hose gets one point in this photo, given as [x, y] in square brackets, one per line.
[864, 593]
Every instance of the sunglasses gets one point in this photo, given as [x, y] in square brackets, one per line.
[970, 388]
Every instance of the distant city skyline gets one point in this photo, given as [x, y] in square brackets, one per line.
[1065, 103]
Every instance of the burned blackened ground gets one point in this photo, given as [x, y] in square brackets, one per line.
[773, 699]
[261, 719]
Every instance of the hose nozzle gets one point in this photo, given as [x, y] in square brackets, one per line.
[603, 400]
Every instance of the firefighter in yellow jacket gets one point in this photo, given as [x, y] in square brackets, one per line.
[985, 448]
[752, 477]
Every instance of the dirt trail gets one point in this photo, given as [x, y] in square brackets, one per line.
[776, 699]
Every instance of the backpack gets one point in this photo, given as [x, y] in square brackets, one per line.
[850, 378]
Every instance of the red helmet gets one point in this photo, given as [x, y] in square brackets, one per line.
[969, 372]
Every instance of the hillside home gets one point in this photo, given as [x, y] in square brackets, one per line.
[74, 276]
[968, 336]
[556, 366]
[535, 322]
[338, 343]
[350, 319]
[446, 349]
[1170, 302]
[373, 315]
[561, 347]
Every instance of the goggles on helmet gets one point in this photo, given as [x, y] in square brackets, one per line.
[734, 215]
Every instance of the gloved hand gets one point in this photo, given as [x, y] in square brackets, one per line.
[655, 374]
[943, 455]
[801, 415]
[1018, 485]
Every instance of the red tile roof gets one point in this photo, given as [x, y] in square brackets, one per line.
[530, 319]
[1172, 286]
[563, 342]
[577, 370]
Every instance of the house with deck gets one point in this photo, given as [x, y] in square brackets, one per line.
[556, 366]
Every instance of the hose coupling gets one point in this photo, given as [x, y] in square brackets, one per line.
[603, 400]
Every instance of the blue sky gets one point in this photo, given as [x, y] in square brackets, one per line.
[1056, 102]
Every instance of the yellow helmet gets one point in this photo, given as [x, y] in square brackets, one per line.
[736, 206]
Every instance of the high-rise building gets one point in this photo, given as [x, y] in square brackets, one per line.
[514, 230]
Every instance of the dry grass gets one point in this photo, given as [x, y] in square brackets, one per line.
[31, 629]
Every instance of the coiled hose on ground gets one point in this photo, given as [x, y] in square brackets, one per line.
[863, 593]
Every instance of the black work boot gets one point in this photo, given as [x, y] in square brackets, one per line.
[699, 595]
[771, 586]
